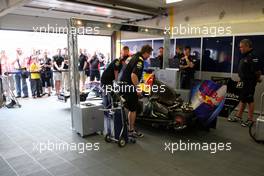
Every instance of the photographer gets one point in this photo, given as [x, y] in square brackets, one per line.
[58, 64]
[46, 73]
[94, 62]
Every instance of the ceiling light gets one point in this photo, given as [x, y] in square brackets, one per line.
[79, 22]
[146, 30]
[109, 25]
[172, 1]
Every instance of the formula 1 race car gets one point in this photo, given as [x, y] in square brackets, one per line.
[165, 107]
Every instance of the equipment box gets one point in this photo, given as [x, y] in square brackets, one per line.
[256, 130]
[260, 129]
[169, 76]
[87, 118]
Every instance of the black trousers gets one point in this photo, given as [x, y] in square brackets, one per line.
[248, 90]
[94, 74]
[187, 80]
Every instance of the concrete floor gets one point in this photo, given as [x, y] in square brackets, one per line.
[47, 119]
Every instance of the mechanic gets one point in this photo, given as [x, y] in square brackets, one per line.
[187, 69]
[111, 72]
[249, 74]
[160, 57]
[132, 75]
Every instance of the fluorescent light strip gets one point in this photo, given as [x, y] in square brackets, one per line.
[172, 1]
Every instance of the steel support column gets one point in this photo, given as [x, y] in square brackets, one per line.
[74, 74]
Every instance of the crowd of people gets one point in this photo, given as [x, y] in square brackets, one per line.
[42, 73]
[45, 73]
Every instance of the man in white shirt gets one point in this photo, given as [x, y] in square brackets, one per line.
[20, 66]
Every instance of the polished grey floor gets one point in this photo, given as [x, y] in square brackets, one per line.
[47, 120]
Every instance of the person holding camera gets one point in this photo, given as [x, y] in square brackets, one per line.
[46, 73]
[94, 63]
[58, 64]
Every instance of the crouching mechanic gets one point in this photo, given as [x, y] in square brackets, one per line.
[132, 74]
[111, 74]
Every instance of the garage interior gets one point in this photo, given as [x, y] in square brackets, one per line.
[47, 120]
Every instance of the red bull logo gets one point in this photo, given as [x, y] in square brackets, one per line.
[209, 95]
[211, 100]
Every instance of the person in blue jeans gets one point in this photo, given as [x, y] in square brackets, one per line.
[20, 66]
[20, 79]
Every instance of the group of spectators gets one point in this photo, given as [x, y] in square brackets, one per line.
[39, 68]
[43, 73]
[90, 66]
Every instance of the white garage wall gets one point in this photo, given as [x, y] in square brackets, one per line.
[244, 16]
